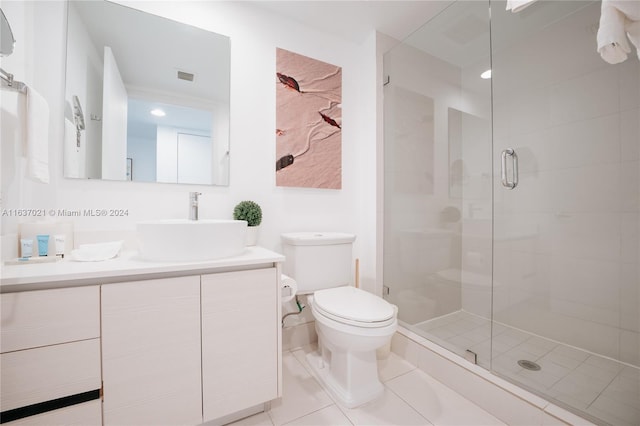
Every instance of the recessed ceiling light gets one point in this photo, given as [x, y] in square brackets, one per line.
[158, 112]
[486, 75]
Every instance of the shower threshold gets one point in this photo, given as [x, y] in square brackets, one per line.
[598, 387]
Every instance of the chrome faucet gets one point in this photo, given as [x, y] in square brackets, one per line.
[193, 205]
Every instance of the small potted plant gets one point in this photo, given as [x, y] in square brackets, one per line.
[252, 213]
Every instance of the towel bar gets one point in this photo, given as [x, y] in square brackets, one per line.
[9, 83]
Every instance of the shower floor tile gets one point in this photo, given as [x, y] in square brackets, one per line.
[595, 385]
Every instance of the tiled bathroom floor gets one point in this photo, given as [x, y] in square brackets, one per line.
[411, 397]
[601, 387]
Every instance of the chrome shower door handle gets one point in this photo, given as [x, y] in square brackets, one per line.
[509, 153]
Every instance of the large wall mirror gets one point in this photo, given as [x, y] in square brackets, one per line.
[146, 99]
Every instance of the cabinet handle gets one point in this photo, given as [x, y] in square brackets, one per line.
[510, 153]
[46, 406]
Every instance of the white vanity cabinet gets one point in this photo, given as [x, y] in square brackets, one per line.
[163, 343]
[151, 352]
[50, 360]
[240, 340]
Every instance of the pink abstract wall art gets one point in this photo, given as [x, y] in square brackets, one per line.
[308, 122]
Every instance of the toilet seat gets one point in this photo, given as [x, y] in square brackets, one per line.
[352, 306]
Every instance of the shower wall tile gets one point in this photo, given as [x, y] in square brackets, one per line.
[569, 35]
[579, 289]
[587, 96]
[629, 344]
[599, 338]
[535, 199]
[476, 299]
[630, 134]
[630, 237]
[585, 235]
[629, 85]
[521, 275]
[501, 130]
[528, 109]
[630, 298]
[586, 189]
[519, 232]
[535, 149]
[630, 186]
[584, 143]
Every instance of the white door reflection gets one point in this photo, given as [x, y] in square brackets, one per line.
[172, 144]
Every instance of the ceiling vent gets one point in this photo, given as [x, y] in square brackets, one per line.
[187, 76]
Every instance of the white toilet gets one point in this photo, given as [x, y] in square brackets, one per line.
[351, 323]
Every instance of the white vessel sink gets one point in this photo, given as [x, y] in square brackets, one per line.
[191, 240]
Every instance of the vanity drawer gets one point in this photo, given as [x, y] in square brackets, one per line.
[46, 317]
[35, 376]
[85, 414]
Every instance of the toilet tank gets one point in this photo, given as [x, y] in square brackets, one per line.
[318, 260]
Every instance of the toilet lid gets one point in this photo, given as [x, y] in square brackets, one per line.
[353, 304]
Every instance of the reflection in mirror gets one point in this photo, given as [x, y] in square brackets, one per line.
[457, 172]
[153, 96]
[6, 36]
[469, 143]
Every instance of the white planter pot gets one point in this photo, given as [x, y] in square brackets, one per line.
[252, 235]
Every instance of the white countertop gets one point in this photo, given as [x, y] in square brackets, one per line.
[126, 267]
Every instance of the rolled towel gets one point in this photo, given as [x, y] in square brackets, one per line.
[633, 32]
[618, 19]
[516, 6]
[630, 8]
[96, 252]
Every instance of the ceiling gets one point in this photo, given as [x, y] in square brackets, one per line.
[151, 50]
[459, 34]
[355, 20]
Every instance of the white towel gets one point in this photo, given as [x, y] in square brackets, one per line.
[619, 19]
[37, 138]
[633, 32]
[516, 6]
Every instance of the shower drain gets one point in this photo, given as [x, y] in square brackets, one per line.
[528, 365]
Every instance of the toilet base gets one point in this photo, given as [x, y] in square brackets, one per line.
[367, 389]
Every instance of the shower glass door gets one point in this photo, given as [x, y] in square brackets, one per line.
[566, 296]
[437, 216]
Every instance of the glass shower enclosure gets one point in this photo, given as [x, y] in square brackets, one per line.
[512, 200]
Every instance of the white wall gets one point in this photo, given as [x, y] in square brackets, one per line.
[142, 151]
[115, 102]
[166, 148]
[255, 34]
